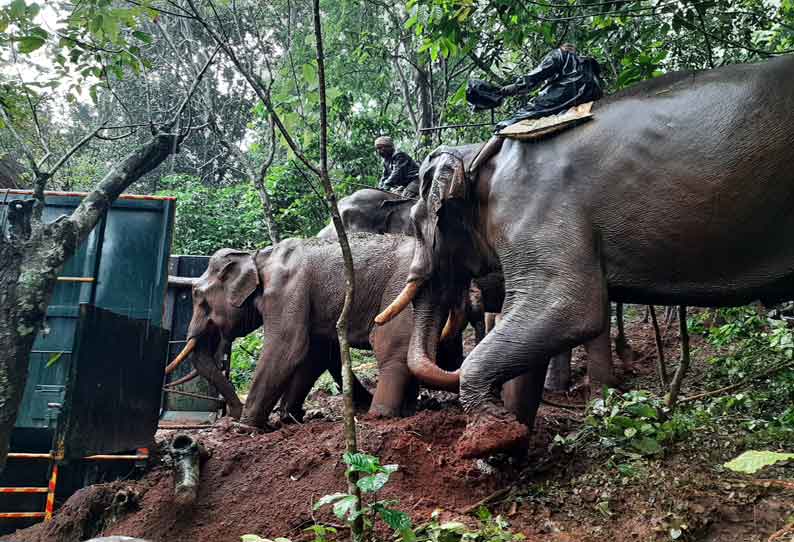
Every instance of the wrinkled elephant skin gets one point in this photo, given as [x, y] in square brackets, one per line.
[299, 292]
[678, 192]
[372, 211]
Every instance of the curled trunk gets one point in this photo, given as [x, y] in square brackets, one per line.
[423, 350]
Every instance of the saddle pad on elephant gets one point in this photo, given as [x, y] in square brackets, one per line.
[536, 128]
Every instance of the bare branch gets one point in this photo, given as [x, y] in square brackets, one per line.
[258, 86]
[74, 149]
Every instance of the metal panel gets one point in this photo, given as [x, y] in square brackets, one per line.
[180, 306]
[127, 253]
[112, 401]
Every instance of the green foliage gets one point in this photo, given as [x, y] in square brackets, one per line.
[211, 218]
[92, 39]
[630, 426]
[491, 529]
[347, 508]
[748, 344]
[753, 461]
[256, 538]
[245, 354]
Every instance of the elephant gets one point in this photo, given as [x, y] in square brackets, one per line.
[295, 289]
[678, 192]
[377, 211]
[372, 211]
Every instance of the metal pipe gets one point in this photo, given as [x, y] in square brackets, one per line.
[185, 451]
[76, 279]
[21, 515]
[196, 395]
[183, 282]
[15, 455]
[50, 506]
[109, 457]
[23, 490]
[451, 126]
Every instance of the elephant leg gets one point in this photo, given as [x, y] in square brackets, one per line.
[316, 363]
[622, 347]
[395, 380]
[280, 359]
[206, 367]
[551, 305]
[558, 377]
[479, 330]
[518, 396]
[362, 398]
[599, 363]
[491, 319]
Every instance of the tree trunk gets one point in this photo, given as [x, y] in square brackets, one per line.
[422, 80]
[351, 444]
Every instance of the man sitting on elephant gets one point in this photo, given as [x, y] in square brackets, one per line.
[571, 80]
[400, 171]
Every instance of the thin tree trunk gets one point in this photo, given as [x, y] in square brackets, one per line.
[351, 444]
[675, 386]
[661, 366]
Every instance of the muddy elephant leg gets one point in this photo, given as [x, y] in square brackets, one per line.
[624, 350]
[599, 363]
[280, 359]
[518, 396]
[362, 398]
[395, 381]
[558, 377]
[206, 367]
[316, 363]
[552, 304]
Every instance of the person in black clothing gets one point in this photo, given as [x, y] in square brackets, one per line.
[400, 171]
[570, 80]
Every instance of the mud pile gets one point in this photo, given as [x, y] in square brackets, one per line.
[266, 484]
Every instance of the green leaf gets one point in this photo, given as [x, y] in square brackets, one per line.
[328, 499]
[310, 74]
[359, 462]
[395, 519]
[642, 410]
[253, 538]
[371, 484]
[143, 36]
[647, 446]
[53, 359]
[345, 506]
[28, 44]
[752, 461]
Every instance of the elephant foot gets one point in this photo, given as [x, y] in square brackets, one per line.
[234, 410]
[382, 411]
[490, 431]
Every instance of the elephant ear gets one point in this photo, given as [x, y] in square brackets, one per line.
[241, 277]
[450, 179]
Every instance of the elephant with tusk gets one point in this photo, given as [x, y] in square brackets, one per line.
[295, 289]
[679, 192]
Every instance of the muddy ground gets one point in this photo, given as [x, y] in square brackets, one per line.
[266, 483]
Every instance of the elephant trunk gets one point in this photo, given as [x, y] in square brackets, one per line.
[424, 347]
[189, 347]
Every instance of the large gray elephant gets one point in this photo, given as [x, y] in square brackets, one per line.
[372, 211]
[296, 290]
[679, 192]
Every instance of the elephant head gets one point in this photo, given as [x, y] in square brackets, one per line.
[447, 254]
[223, 304]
